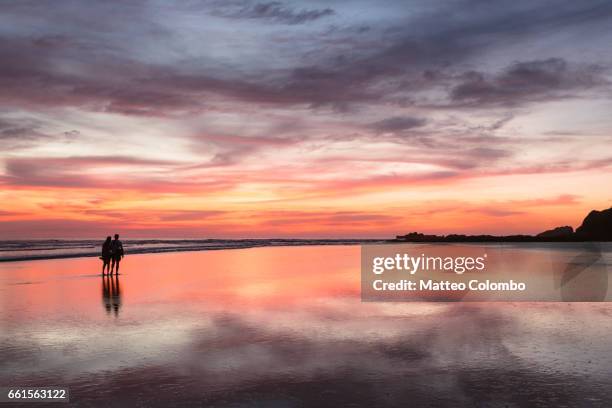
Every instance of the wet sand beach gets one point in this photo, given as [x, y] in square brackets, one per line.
[285, 326]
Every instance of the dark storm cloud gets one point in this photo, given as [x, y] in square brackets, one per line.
[73, 171]
[117, 84]
[18, 133]
[12, 131]
[23, 133]
[64, 54]
[422, 55]
[277, 12]
[398, 123]
[527, 81]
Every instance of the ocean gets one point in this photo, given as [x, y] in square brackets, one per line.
[23, 250]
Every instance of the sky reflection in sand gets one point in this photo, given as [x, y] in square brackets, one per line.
[287, 325]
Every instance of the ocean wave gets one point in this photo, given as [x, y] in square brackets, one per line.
[23, 250]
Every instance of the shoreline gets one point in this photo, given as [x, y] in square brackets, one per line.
[218, 245]
[223, 244]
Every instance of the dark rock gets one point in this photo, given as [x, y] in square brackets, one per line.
[559, 232]
[597, 226]
[419, 237]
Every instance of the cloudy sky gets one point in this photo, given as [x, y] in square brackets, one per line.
[302, 119]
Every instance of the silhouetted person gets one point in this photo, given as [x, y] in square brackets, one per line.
[117, 253]
[106, 255]
[111, 294]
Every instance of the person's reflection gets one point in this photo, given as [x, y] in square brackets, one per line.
[111, 294]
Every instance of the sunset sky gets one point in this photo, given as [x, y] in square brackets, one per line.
[230, 119]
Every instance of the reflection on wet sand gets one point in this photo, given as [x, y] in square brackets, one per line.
[111, 294]
[285, 327]
[585, 276]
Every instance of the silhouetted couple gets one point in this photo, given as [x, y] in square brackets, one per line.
[112, 251]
